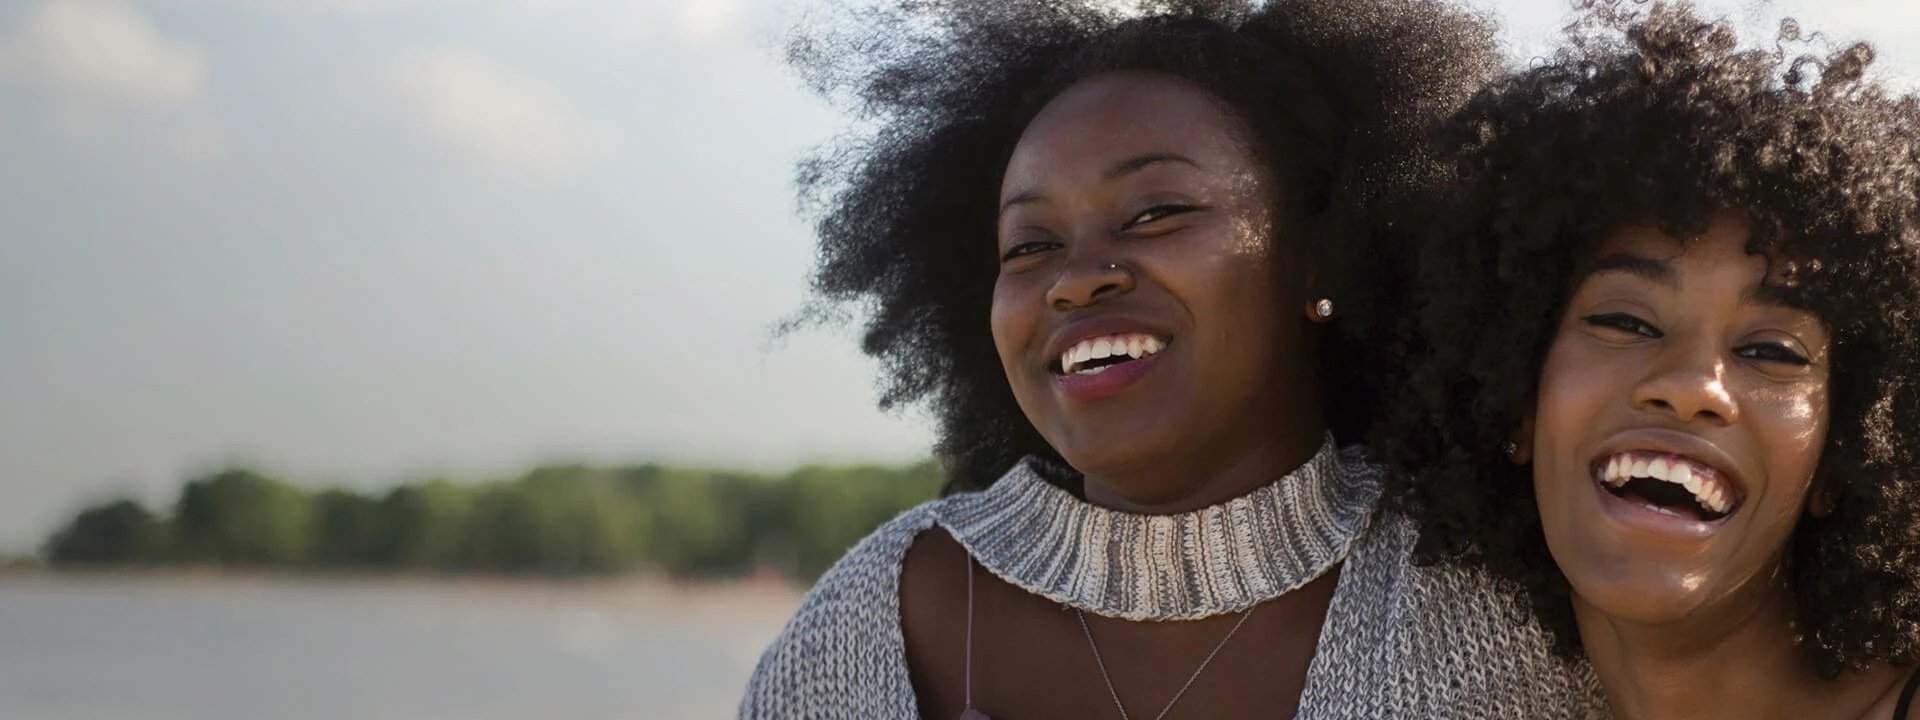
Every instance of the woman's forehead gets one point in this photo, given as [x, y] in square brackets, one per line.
[1125, 114]
[1725, 248]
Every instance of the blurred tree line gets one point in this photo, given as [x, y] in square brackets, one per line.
[563, 520]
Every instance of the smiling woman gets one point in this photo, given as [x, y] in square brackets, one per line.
[1674, 324]
[1142, 269]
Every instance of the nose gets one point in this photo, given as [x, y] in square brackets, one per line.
[1087, 280]
[1689, 383]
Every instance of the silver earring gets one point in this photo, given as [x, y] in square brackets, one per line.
[1513, 451]
[1323, 309]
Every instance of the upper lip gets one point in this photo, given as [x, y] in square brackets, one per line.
[1073, 332]
[1674, 442]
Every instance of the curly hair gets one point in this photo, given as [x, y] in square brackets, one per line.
[1651, 114]
[1336, 95]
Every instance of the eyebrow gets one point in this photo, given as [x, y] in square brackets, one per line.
[1116, 171]
[1659, 271]
[1637, 265]
[1140, 162]
[1783, 296]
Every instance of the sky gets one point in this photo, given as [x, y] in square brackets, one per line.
[362, 242]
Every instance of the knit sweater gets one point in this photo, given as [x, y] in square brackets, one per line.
[1399, 640]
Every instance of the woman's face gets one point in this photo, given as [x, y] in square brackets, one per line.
[1681, 413]
[1139, 311]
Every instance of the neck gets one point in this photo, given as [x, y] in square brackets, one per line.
[1212, 477]
[1742, 662]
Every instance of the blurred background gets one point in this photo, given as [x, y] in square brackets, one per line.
[417, 359]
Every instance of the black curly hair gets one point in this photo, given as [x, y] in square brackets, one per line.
[1652, 114]
[1336, 94]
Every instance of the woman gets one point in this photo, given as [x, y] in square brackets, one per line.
[1675, 331]
[1110, 255]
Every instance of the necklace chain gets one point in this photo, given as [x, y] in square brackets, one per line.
[1183, 688]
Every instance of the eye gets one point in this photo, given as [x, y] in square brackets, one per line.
[1158, 212]
[1024, 249]
[1624, 323]
[1771, 352]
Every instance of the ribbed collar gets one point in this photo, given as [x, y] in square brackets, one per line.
[1218, 559]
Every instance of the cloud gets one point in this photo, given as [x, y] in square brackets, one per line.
[707, 18]
[364, 9]
[327, 7]
[693, 22]
[101, 52]
[485, 113]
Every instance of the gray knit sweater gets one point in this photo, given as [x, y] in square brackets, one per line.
[1399, 641]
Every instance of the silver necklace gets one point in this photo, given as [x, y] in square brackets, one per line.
[1183, 688]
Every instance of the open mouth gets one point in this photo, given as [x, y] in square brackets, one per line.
[1669, 484]
[1096, 355]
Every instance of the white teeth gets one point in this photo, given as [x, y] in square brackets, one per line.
[1701, 482]
[1135, 346]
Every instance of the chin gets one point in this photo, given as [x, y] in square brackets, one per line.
[1641, 593]
[1109, 448]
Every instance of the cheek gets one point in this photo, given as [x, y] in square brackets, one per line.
[1011, 317]
[1791, 425]
[1796, 420]
[1574, 386]
[1234, 297]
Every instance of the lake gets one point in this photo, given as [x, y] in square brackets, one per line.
[116, 647]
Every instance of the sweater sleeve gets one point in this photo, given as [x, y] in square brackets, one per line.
[843, 655]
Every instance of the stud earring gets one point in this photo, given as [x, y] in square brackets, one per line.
[1512, 450]
[1321, 310]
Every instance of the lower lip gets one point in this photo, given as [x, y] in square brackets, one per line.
[1099, 386]
[1641, 516]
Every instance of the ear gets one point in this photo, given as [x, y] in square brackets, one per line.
[1522, 453]
[1820, 498]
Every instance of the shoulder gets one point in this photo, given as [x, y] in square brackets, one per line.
[842, 653]
[1899, 701]
[1445, 640]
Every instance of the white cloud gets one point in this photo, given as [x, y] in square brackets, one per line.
[707, 18]
[101, 52]
[486, 113]
[331, 7]
[696, 22]
[377, 8]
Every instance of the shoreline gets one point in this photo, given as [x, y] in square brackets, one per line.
[644, 588]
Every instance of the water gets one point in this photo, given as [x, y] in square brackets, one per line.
[131, 648]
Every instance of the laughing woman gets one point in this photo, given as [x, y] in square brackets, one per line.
[1131, 265]
[1674, 387]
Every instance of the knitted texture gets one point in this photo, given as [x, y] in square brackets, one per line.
[1215, 560]
[1399, 641]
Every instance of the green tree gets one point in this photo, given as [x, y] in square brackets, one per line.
[118, 532]
[429, 526]
[558, 520]
[241, 517]
[350, 530]
[702, 523]
[832, 508]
